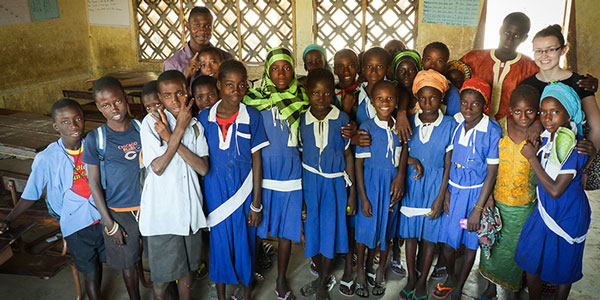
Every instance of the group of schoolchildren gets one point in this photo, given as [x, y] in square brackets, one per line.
[399, 150]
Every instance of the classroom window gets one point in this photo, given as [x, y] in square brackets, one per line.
[361, 24]
[247, 29]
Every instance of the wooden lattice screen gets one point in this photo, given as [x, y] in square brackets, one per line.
[360, 24]
[247, 29]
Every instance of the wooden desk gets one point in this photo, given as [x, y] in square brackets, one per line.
[23, 134]
[132, 79]
[10, 237]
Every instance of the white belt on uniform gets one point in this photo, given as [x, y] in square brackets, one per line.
[458, 186]
[328, 175]
[282, 185]
[554, 227]
[232, 204]
[414, 211]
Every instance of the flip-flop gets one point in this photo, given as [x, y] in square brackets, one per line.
[287, 295]
[414, 297]
[441, 289]
[407, 294]
[235, 294]
[398, 269]
[371, 279]
[379, 286]
[363, 288]
[309, 289]
[349, 285]
[437, 271]
[331, 283]
[313, 269]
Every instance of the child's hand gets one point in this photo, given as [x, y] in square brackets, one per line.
[361, 138]
[403, 129]
[396, 190]
[162, 126]
[192, 67]
[586, 147]
[349, 130]
[417, 167]
[348, 100]
[529, 150]
[490, 202]
[365, 207]
[119, 236]
[534, 131]
[351, 205]
[185, 114]
[588, 83]
[447, 203]
[474, 220]
[436, 207]
[254, 218]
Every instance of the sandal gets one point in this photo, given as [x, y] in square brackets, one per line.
[235, 294]
[379, 288]
[331, 283]
[269, 249]
[313, 269]
[439, 273]
[310, 288]
[361, 290]
[349, 288]
[415, 297]
[398, 269]
[258, 276]
[406, 294]
[371, 279]
[441, 292]
[288, 296]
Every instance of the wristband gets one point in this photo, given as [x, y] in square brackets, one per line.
[254, 209]
[113, 230]
[480, 208]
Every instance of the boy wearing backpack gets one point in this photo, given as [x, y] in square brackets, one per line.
[113, 157]
[175, 152]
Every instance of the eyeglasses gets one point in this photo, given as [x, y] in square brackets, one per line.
[549, 51]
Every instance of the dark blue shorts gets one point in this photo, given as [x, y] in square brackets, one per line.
[87, 248]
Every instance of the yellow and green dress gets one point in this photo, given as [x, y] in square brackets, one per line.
[514, 194]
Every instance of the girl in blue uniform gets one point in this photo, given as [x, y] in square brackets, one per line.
[235, 136]
[374, 67]
[473, 170]
[280, 101]
[431, 147]
[328, 168]
[560, 223]
[380, 171]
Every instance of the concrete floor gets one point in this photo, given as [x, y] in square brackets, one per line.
[14, 287]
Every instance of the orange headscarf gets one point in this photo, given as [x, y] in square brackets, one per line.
[430, 78]
[480, 86]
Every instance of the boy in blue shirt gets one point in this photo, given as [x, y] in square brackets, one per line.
[60, 170]
[113, 179]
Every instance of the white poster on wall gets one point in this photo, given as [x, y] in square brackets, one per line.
[108, 12]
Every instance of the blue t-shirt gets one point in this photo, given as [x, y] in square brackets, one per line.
[121, 163]
[452, 101]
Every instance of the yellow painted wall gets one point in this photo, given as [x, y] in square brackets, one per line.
[588, 37]
[39, 59]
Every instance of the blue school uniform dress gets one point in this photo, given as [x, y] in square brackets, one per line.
[365, 110]
[380, 163]
[228, 186]
[324, 182]
[552, 241]
[282, 180]
[452, 100]
[472, 152]
[429, 144]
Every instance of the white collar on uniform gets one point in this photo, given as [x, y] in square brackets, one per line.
[321, 128]
[242, 118]
[426, 129]
[482, 126]
[390, 138]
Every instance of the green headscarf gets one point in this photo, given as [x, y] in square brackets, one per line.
[291, 102]
[410, 55]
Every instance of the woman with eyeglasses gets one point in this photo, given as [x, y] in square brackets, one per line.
[548, 47]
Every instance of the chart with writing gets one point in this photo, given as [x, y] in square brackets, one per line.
[14, 12]
[108, 12]
[42, 10]
[451, 12]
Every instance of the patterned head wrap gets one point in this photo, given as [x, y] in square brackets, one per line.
[312, 47]
[461, 66]
[410, 55]
[430, 78]
[291, 102]
[482, 88]
[569, 100]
